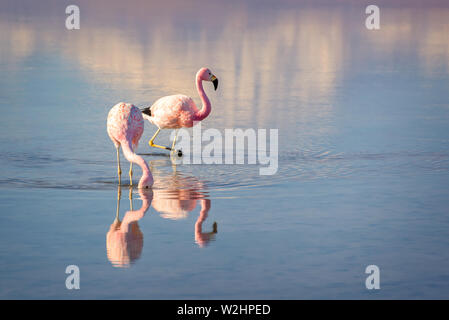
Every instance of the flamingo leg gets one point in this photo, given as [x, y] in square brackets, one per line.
[152, 144]
[174, 141]
[173, 150]
[119, 170]
[131, 172]
[119, 194]
[131, 198]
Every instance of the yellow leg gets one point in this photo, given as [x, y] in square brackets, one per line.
[152, 144]
[119, 170]
[131, 174]
[174, 141]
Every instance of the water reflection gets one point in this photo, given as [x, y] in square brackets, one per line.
[293, 56]
[152, 51]
[177, 194]
[124, 240]
[203, 238]
[174, 195]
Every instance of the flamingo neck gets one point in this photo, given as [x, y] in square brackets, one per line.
[147, 177]
[205, 207]
[205, 110]
[202, 238]
[134, 216]
[141, 163]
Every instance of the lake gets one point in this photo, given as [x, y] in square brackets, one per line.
[362, 118]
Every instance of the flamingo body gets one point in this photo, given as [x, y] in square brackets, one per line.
[173, 112]
[125, 127]
[125, 123]
[179, 111]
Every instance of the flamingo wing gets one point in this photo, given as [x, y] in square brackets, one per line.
[173, 112]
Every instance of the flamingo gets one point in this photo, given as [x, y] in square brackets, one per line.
[125, 127]
[179, 111]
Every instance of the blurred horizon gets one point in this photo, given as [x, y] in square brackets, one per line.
[313, 46]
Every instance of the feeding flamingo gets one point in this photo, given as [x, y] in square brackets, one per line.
[179, 111]
[125, 127]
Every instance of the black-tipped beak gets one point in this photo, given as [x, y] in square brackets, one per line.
[146, 111]
[214, 81]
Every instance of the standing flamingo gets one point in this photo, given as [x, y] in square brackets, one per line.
[178, 111]
[125, 127]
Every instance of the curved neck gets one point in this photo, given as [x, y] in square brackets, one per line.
[146, 173]
[134, 216]
[205, 110]
[202, 238]
[132, 157]
[140, 162]
[205, 207]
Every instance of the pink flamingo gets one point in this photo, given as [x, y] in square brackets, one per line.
[125, 127]
[179, 111]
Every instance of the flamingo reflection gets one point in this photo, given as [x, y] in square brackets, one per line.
[124, 240]
[176, 194]
[203, 238]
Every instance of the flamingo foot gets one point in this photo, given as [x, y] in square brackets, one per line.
[178, 153]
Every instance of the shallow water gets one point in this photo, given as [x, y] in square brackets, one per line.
[363, 174]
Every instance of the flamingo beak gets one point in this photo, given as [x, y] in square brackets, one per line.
[146, 111]
[214, 81]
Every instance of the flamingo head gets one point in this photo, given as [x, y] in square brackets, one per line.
[206, 75]
[146, 182]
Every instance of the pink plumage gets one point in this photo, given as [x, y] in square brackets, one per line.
[173, 112]
[125, 127]
[180, 111]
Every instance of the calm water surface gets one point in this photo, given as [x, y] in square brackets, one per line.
[363, 177]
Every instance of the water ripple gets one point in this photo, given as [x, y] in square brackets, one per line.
[38, 170]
